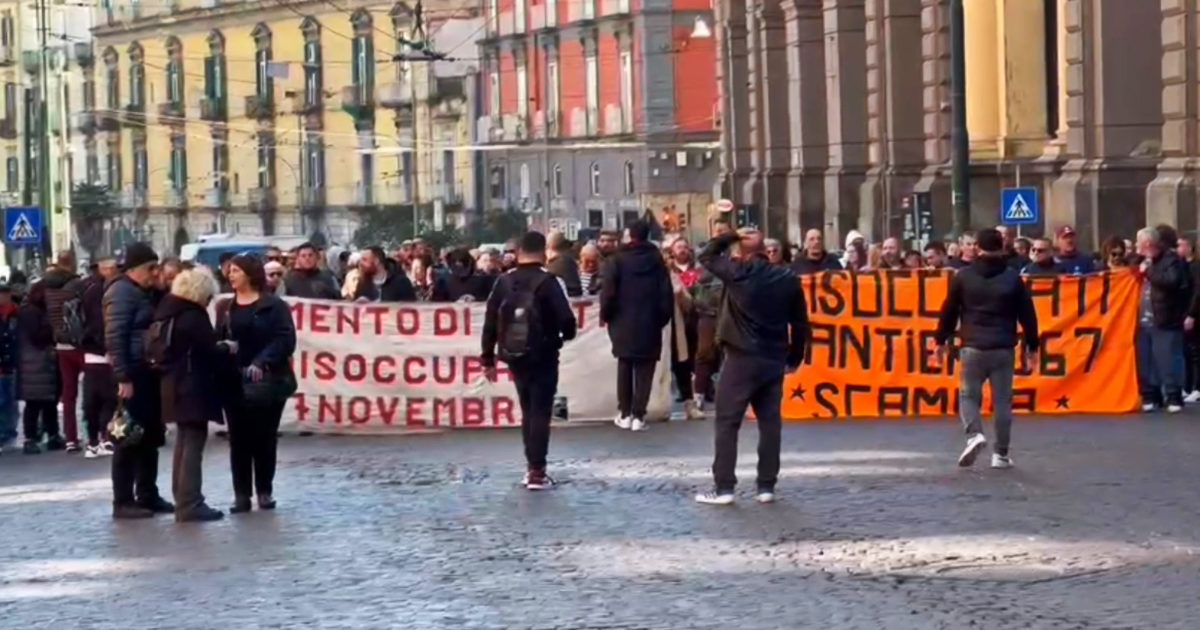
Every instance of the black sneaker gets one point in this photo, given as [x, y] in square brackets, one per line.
[131, 512]
[31, 448]
[266, 502]
[201, 514]
[241, 505]
[73, 447]
[55, 443]
[158, 505]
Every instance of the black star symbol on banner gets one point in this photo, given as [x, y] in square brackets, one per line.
[799, 392]
[1062, 403]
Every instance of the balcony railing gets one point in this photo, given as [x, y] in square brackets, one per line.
[108, 120]
[216, 198]
[310, 198]
[85, 122]
[134, 115]
[260, 107]
[134, 199]
[176, 198]
[212, 109]
[261, 199]
[8, 128]
[170, 113]
[84, 55]
[301, 105]
[357, 101]
[7, 58]
[394, 95]
[364, 194]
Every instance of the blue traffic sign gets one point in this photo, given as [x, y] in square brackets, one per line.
[1019, 206]
[23, 226]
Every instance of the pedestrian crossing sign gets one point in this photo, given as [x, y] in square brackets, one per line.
[1019, 206]
[23, 226]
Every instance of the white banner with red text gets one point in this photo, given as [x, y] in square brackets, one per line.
[398, 367]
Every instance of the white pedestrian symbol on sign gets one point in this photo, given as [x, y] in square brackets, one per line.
[22, 230]
[1019, 210]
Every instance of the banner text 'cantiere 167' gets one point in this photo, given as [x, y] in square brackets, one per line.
[872, 350]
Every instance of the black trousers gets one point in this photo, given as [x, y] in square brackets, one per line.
[758, 383]
[186, 467]
[683, 367]
[99, 399]
[536, 384]
[253, 444]
[135, 468]
[1191, 355]
[634, 378]
[47, 412]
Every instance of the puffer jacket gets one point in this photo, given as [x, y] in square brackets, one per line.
[128, 312]
[61, 286]
[990, 299]
[1170, 290]
[636, 301]
[37, 379]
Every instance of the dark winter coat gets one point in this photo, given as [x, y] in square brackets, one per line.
[452, 286]
[1037, 269]
[558, 322]
[1170, 290]
[636, 301]
[311, 283]
[93, 314]
[567, 270]
[395, 288]
[61, 286]
[38, 364]
[190, 394]
[804, 265]
[8, 340]
[273, 341]
[1077, 263]
[990, 299]
[128, 312]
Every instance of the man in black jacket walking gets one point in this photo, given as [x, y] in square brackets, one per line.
[529, 343]
[637, 301]
[990, 299]
[762, 330]
[99, 387]
[1166, 299]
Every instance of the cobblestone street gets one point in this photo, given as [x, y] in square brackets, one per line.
[1098, 527]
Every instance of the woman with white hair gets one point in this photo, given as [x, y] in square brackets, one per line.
[183, 344]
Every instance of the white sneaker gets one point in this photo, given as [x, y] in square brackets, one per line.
[92, 452]
[765, 496]
[107, 449]
[691, 411]
[1148, 407]
[715, 498]
[1192, 397]
[1001, 461]
[1173, 408]
[623, 423]
[637, 425]
[975, 443]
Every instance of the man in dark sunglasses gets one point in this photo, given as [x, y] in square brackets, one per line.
[1042, 264]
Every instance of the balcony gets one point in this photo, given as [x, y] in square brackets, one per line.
[216, 198]
[7, 58]
[175, 198]
[85, 122]
[133, 199]
[395, 95]
[170, 113]
[84, 55]
[134, 115]
[212, 109]
[364, 195]
[310, 199]
[108, 120]
[8, 128]
[260, 200]
[260, 107]
[358, 102]
[302, 105]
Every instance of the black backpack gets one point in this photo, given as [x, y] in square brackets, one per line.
[158, 341]
[74, 324]
[521, 330]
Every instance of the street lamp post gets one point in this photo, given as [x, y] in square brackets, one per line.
[960, 148]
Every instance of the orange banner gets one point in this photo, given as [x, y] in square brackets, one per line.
[871, 353]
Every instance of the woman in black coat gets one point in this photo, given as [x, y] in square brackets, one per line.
[37, 372]
[191, 360]
[260, 328]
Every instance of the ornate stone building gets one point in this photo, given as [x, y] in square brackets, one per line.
[834, 111]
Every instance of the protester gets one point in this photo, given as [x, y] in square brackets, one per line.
[63, 286]
[874, 258]
[381, 280]
[912, 260]
[1166, 299]
[8, 367]
[38, 373]
[191, 397]
[527, 320]
[952, 252]
[1070, 259]
[1191, 381]
[684, 276]
[935, 255]
[589, 269]
[1043, 263]
[856, 244]
[420, 274]
[776, 253]
[307, 279]
[967, 250]
[260, 325]
[1014, 258]
[889, 254]
[1116, 253]
[168, 268]
[635, 304]
[99, 386]
[707, 296]
[275, 272]
[1022, 247]
[609, 242]
[813, 258]
[560, 262]
[223, 275]
[990, 300]
[127, 315]
[488, 262]
[463, 282]
[763, 333]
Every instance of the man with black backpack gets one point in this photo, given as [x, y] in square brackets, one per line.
[528, 319]
[64, 307]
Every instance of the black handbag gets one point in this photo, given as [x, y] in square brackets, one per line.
[123, 432]
[273, 387]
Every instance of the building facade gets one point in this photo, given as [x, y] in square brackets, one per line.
[598, 111]
[294, 118]
[837, 110]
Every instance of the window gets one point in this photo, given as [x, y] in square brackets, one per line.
[406, 172]
[449, 185]
[524, 181]
[112, 79]
[522, 91]
[312, 63]
[178, 173]
[551, 12]
[93, 166]
[557, 182]
[214, 68]
[366, 159]
[266, 161]
[596, 219]
[1053, 89]
[89, 95]
[593, 90]
[494, 93]
[141, 171]
[629, 183]
[589, 9]
[264, 83]
[493, 14]
[174, 71]
[10, 101]
[626, 92]
[362, 69]
[314, 158]
[112, 168]
[220, 162]
[137, 78]
[497, 183]
[552, 90]
[595, 183]
[519, 15]
[7, 37]
[12, 168]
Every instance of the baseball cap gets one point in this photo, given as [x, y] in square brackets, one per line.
[1066, 230]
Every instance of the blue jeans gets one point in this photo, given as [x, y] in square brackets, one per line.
[1161, 365]
[8, 408]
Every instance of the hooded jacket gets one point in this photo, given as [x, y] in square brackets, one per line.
[852, 236]
[636, 301]
[61, 286]
[396, 286]
[990, 299]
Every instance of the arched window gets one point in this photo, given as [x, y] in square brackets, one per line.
[595, 178]
[630, 187]
[264, 83]
[313, 80]
[214, 106]
[137, 78]
[524, 181]
[363, 63]
[558, 181]
[112, 80]
[175, 73]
